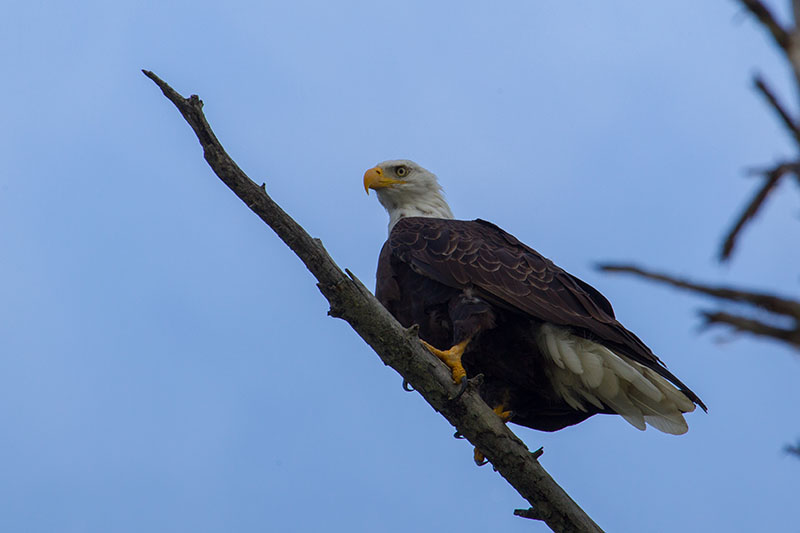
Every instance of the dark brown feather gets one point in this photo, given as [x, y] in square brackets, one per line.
[428, 263]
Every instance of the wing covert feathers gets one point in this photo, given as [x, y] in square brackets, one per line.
[593, 361]
[507, 273]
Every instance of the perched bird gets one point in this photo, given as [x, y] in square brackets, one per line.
[547, 343]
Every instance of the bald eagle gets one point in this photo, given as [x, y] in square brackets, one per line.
[548, 344]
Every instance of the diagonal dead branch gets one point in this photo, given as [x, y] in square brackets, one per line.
[779, 108]
[773, 177]
[396, 346]
[765, 16]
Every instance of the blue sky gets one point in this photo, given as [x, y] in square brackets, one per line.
[166, 364]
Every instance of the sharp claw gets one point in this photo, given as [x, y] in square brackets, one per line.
[538, 453]
[504, 415]
[462, 386]
[479, 458]
[458, 435]
[407, 387]
[452, 358]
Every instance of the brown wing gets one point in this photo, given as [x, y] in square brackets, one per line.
[506, 272]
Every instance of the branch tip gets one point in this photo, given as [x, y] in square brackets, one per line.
[780, 109]
[531, 514]
[792, 449]
[773, 177]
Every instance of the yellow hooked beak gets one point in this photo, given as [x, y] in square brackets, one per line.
[374, 179]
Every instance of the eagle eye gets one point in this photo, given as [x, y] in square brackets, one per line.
[401, 172]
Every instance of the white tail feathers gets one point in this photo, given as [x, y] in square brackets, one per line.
[584, 371]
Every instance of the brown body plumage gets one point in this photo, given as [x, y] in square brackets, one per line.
[459, 279]
[547, 343]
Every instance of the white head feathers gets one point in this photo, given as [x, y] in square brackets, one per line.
[405, 189]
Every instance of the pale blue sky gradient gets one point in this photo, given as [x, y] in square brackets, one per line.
[166, 364]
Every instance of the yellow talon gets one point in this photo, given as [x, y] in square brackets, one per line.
[480, 459]
[451, 357]
[504, 415]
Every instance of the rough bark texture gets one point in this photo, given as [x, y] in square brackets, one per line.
[396, 346]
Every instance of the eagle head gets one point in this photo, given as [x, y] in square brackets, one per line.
[405, 189]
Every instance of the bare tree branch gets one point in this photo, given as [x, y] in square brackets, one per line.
[768, 302]
[783, 114]
[773, 177]
[752, 326]
[766, 18]
[793, 53]
[396, 346]
[788, 40]
[793, 449]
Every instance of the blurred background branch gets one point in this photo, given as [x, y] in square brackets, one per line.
[778, 308]
[764, 315]
[788, 40]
